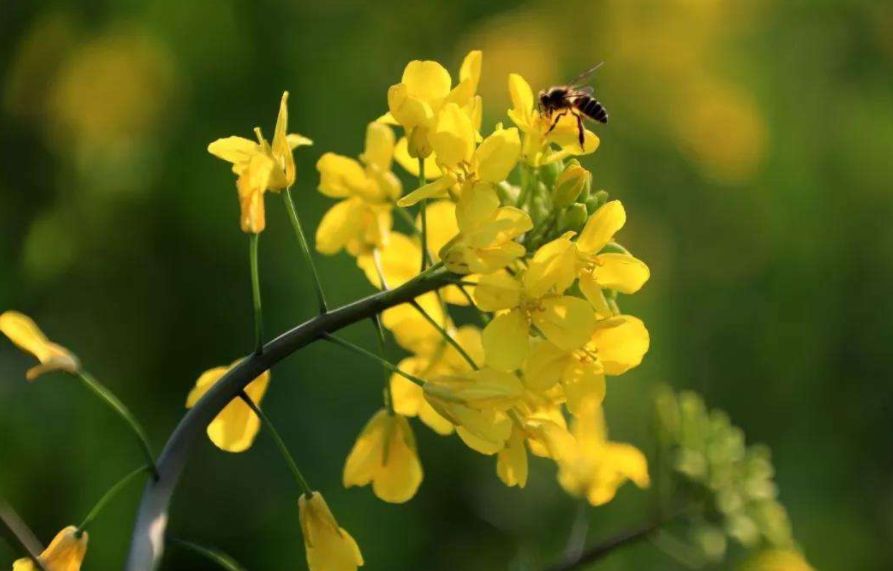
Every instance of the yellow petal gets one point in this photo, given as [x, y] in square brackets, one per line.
[497, 291]
[411, 164]
[236, 426]
[442, 225]
[407, 110]
[295, 140]
[628, 461]
[427, 80]
[477, 206]
[400, 261]
[236, 150]
[329, 547]
[281, 147]
[437, 189]
[453, 137]
[340, 176]
[593, 292]
[471, 68]
[566, 321]
[601, 227]
[400, 474]
[622, 342]
[411, 330]
[65, 553]
[506, 341]
[365, 458]
[522, 101]
[583, 382]
[544, 365]
[25, 334]
[379, 150]
[511, 463]
[553, 268]
[251, 184]
[336, 227]
[621, 272]
[497, 155]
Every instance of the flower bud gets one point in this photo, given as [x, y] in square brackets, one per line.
[571, 183]
[596, 201]
[573, 218]
[419, 146]
[539, 209]
[548, 173]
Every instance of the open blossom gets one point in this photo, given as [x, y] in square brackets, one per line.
[541, 131]
[28, 337]
[526, 303]
[236, 426]
[424, 90]
[385, 455]
[594, 468]
[260, 166]
[362, 220]
[65, 553]
[329, 547]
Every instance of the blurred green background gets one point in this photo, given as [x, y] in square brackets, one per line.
[750, 142]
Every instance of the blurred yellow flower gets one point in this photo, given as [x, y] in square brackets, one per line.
[25, 334]
[538, 138]
[362, 220]
[329, 547]
[236, 426]
[592, 466]
[511, 461]
[385, 454]
[776, 560]
[261, 166]
[487, 232]
[65, 553]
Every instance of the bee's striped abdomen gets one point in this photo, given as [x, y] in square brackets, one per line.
[591, 108]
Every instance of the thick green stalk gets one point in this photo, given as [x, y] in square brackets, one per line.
[280, 443]
[305, 248]
[148, 534]
[116, 405]
[22, 533]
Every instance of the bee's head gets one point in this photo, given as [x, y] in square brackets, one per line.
[550, 99]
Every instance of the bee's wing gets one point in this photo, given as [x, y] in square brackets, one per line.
[584, 77]
[587, 89]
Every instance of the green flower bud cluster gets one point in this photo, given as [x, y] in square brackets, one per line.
[716, 469]
[561, 200]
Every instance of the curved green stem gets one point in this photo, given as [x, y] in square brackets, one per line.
[445, 334]
[116, 405]
[305, 248]
[109, 495]
[213, 555]
[280, 443]
[255, 295]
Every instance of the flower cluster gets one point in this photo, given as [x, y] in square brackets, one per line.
[510, 214]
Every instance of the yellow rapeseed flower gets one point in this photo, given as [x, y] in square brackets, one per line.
[22, 331]
[260, 166]
[362, 220]
[65, 553]
[385, 454]
[424, 90]
[592, 466]
[487, 233]
[236, 426]
[329, 547]
[617, 344]
[526, 301]
[538, 140]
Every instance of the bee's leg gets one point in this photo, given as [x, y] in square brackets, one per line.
[555, 122]
[580, 130]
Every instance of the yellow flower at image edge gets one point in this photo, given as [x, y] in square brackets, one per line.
[65, 553]
[260, 166]
[236, 426]
[385, 455]
[22, 331]
[329, 547]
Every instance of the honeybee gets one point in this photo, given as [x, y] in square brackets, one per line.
[574, 98]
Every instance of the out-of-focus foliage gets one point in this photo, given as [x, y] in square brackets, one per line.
[751, 139]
